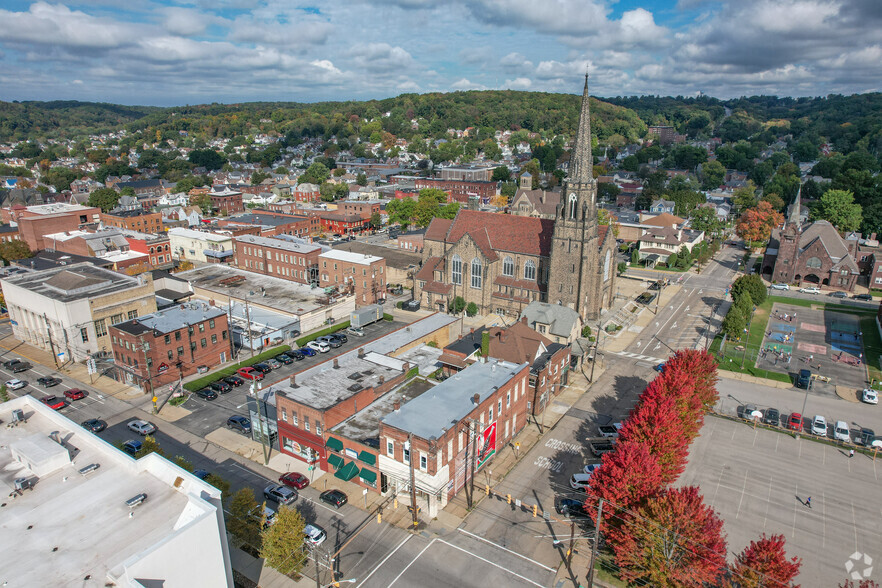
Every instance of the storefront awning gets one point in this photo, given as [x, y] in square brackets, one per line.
[347, 472]
[367, 457]
[336, 461]
[368, 476]
[334, 444]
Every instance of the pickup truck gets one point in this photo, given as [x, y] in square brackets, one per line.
[601, 446]
[609, 431]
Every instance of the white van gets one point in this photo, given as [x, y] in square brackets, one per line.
[580, 481]
[841, 433]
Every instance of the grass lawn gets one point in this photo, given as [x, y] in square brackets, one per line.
[230, 369]
[872, 346]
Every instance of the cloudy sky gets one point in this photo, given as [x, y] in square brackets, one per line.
[167, 52]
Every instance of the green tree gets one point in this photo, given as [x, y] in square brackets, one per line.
[471, 309]
[607, 191]
[635, 257]
[501, 174]
[839, 207]
[705, 219]
[458, 305]
[775, 200]
[104, 198]
[734, 324]
[712, 174]
[317, 173]
[245, 519]
[745, 196]
[207, 158]
[15, 249]
[149, 445]
[376, 221]
[257, 177]
[508, 189]
[283, 547]
[750, 285]
[622, 267]
[361, 179]
[203, 201]
[673, 258]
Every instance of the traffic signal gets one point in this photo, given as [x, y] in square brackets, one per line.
[379, 517]
[535, 509]
[487, 489]
[395, 503]
[508, 498]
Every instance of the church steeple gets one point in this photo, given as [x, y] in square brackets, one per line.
[796, 209]
[581, 162]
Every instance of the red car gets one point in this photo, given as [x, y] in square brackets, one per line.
[249, 373]
[53, 402]
[295, 480]
[74, 394]
[794, 422]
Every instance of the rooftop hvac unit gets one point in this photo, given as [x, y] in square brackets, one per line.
[136, 500]
[89, 468]
[18, 416]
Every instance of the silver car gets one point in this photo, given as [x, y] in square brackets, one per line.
[142, 427]
[279, 493]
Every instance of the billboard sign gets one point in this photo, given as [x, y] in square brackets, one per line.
[486, 445]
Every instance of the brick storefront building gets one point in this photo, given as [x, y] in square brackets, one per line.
[364, 275]
[156, 349]
[459, 190]
[277, 223]
[36, 221]
[277, 258]
[342, 222]
[225, 201]
[133, 220]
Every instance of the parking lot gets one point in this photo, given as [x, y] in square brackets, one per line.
[758, 481]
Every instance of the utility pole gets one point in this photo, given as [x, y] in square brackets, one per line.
[596, 352]
[413, 504]
[51, 343]
[248, 328]
[315, 559]
[572, 540]
[472, 467]
[230, 327]
[596, 541]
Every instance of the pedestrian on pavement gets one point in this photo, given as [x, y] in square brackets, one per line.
[808, 502]
[851, 454]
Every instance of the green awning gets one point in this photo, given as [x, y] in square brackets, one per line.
[368, 476]
[334, 444]
[347, 472]
[367, 457]
[336, 461]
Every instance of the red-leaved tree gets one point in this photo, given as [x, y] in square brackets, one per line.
[679, 384]
[673, 539]
[764, 564]
[702, 366]
[627, 477]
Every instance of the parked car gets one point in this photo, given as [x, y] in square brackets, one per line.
[841, 432]
[132, 447]
[306, 351]
[804, 379]
[201, 474]
[341, 335]
[141, 427]
[590, 468]
[609, 430]
[819, 426]
[249, 373]
[329, 341]
[295, 480]
[234, 381]
[335, 498]
[94, 425]
[580, 481]
[319, 346]
[780, 287]
[283, 358]
[48, 381]
[75, 394]
[357, 331]
[264, 368]
[794, 422]
[239, 423]
[315, 535]
[570, 507]
[870, 396]
[206, 393]
[660, 368]
[294, 354]
[273, 363]
[53, 402]
[21, 366]
[771, 417]
[220, 387]
[810, 290]
[412, 305]
[839, 294]
[15, 384]
[745, 412]
[280, 494]
[865, 437]
[864, 297]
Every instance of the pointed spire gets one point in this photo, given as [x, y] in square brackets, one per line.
[796, 208]
[582, 163]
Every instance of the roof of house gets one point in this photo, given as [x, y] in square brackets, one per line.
[171, 319]
[664, 219]
[560, 319]
[517, 343]
[74, 282]
[201, 235]
[350, 257]
[493, 232]
[543, 202]
[826, 233]
[278, 244]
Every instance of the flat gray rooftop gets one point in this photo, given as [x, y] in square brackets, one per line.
[73, 282]
[172, 318]
[447, 403]
[365, 424]
[278, 244]
[329, 385]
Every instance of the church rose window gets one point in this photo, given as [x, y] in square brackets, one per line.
[813, 262]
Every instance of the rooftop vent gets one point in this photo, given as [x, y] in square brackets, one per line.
[89, 468]
[355, 387]
[136, 500]
[355, 376]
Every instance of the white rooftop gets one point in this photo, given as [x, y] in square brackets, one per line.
[200, 235]
[67, 235]
[55, 208]
[349, 257]
[76, 529]
[118, 256]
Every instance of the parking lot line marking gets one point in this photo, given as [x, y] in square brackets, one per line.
[798, 500]
[524, 578]
[768, 502]
[824, 519]
[743, 488]
[854, 521]
[717, 489]
[391, 553]
[533, 561]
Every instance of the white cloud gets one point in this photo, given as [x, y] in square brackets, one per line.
[466, 84]
[185, 22]
[380, 57]
[518, 84]
[55, 24]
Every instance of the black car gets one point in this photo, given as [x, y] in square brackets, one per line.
[865, 437]
[262, 367]
[234, 381]
[10, 363]
[865, 297]
[412, 305]
[48, 381]
[239, 423]
[282, 358]
[341, 336]
[21, 366]
[295, 355]
[220, 387]
[772, 417]
[94, 425]
[335, 498]
[570, 507]
[206, 393]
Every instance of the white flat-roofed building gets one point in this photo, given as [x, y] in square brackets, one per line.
[203, 246]
[357, 273]
[93, 516]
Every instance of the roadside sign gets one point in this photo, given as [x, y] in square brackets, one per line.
[163, 367]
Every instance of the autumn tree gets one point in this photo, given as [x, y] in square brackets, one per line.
[605, 217]
[756, 223]
[839, 207]
[203, 201]
[104, 198]
[674, 539]
[702, 366]
[15, 249]
[860, 584]
[244, 519]
[283, 547]
[764, 564]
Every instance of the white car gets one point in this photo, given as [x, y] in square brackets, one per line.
[315, 535]
[810, 290]
[591, 468]
[15, 384]
[870, 396]
[780, 287]
[840, 432]
[819, 426]
[320, 346]
[142, 427]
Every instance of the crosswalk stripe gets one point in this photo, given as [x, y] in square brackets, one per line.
[639, 357]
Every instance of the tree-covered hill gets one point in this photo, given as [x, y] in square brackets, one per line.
[64, 118]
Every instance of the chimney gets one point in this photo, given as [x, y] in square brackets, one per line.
[336, 363]
[382, 379]
[472, 331]
[211, 302]
[476, 399]
[360, 352]
[406, 367]
[293, 381]
[524, 319]
[396, 405]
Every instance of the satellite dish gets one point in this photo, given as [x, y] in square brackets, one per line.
[756, 414]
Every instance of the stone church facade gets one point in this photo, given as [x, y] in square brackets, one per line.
[503, 262]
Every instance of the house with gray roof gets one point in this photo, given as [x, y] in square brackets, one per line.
[557, 322]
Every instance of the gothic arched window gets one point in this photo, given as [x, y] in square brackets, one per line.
[529, 270]
[573, 207]
[508, 267]
[813, 262]
[477, 277]
[456, 270]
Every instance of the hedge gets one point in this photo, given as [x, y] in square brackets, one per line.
[388, 317]
[231, 369]
[313, 336]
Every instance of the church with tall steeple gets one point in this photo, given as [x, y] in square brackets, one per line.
[502, 262]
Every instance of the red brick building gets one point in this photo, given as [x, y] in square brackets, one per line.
[277, 257]
[356, 273]
[305, 192]
[277, 223]
[225, 201]
[156, 349]
[342, 223]
[45, 219]
[156, 246]
[133, 220]
[365, 208]
[459, 190]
